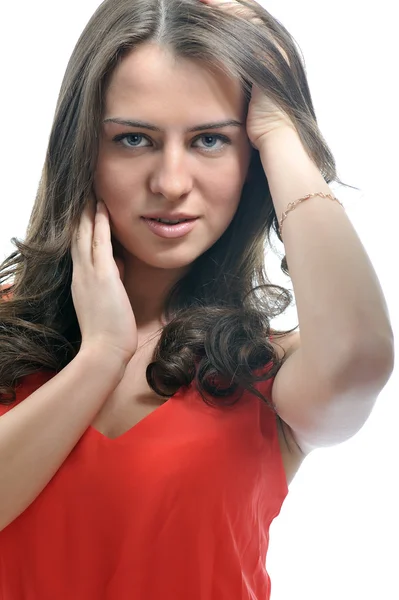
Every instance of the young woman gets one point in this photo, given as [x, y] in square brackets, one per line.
[150, 420]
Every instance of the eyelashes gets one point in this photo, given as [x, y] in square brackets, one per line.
[121, 138]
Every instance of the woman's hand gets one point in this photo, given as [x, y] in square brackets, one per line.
[102, 305]
[263, 115]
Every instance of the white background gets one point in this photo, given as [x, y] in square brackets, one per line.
[337, 534]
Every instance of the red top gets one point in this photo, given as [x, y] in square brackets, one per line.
[177, 508]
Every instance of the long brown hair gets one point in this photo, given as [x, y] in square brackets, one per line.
[219, 313]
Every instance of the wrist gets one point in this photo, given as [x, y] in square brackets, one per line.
[289, 170]
[284, 140]
[99, 357]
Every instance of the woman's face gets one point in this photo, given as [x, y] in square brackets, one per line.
[175, 165]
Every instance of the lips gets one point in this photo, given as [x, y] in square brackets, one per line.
[171, 221]
[170, 217]
[170, 230]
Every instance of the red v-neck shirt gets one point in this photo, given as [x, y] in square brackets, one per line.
[177, 508]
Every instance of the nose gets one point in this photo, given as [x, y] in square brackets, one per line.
[171, 176]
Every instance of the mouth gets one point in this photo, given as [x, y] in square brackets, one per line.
[170, 218]
[171, 221]
[170, 228]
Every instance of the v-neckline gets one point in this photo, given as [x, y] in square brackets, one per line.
[135, 428]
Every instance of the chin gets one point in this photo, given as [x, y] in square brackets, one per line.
[181, 260]
[174, 256]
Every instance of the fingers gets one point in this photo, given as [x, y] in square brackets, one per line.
[239, 10]
[118, 254]
[81, 244]
[235, 8]
[101, 241]
[121, 267]
[91, 245]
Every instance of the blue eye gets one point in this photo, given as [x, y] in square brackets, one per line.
[220, 138]
[125, 136]
[125, 139]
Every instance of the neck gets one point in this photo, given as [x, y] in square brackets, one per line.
[147, 288]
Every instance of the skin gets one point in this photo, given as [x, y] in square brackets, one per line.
[171, 170]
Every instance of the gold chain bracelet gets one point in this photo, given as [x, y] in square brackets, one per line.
[293, 205]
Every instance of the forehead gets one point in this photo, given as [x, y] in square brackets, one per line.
[151, 79]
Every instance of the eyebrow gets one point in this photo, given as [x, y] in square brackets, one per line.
[201, 127]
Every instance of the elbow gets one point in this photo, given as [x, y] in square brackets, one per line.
[368, 363]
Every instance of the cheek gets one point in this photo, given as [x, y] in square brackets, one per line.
[112, 182]
[224, 196]
[221, 208]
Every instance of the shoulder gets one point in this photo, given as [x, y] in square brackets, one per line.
[319, 407]
[285, 344]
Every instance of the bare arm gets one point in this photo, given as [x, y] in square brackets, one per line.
[327, 387]
[39, 433]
